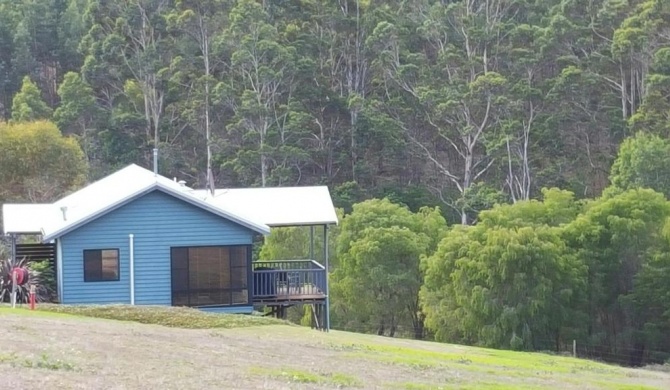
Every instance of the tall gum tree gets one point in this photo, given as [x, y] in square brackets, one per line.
[259, 90]
[451, 79]
[127, 50]
[195, 26]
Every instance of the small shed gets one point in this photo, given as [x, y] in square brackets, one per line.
[135, 237]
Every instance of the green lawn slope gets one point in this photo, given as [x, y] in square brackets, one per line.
[150, 347]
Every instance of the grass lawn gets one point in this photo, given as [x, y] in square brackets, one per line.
[176, 317]
[64, 347]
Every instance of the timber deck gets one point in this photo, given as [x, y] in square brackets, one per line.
[285, 294]
[281, 284]
[287, 282]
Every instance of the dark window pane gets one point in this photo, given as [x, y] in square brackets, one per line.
[101, 265]
[209, 275]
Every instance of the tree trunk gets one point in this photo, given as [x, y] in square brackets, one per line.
[380, 328]
[419, 329]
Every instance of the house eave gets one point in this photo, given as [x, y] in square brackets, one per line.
[314, 223]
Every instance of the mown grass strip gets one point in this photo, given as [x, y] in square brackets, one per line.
[291, 375]
[23, 311]
[175, 317]
[497, 369]
[479, 357]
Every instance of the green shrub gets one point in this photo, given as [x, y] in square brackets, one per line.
[47, 277]
[23, 292]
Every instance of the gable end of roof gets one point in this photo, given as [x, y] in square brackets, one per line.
[46, 237]
[259, 228]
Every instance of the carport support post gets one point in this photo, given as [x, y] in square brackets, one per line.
[13, 296]
[13, 239]
[311, 243]
[325, 256]
[13, 289]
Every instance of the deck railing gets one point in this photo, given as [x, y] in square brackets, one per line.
[288, 279]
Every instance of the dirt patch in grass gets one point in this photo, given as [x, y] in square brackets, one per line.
[176, 317]
[54, 350]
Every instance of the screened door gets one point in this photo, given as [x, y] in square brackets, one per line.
[210, 276]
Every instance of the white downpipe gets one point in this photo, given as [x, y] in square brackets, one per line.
[132, 268]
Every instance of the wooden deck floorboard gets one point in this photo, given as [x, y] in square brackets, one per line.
[293, 294]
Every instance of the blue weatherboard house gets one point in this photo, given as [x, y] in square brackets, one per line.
[138, 238]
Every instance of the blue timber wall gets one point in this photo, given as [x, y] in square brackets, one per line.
[158, 221]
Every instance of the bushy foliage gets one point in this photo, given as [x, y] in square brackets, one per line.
[44, 270]
[27, 105]
[508, 282]
[643, 162]
[537, 274]
[617, 238]
[38, 163]
[377, 282]
[42, 292]
[287, 243]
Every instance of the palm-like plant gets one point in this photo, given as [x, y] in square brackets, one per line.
[22, 292]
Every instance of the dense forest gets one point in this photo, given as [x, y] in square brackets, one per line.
[501, 166]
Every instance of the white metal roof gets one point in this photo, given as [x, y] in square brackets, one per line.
[101, 197]
[277, 206]
[25, 218]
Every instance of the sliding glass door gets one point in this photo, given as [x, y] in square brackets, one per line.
[210, 275]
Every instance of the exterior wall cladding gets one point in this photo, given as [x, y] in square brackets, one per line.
[158, 221]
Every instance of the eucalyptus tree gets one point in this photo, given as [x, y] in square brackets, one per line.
[7, 29]
[450, 77]
[634, 44]
[77, 113]
[259, 90]
[653, 116]
[27, 105]
[127, 53]
[196, 25]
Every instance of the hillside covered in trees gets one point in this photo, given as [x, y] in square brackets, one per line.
[458, 103]
[556, 111]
